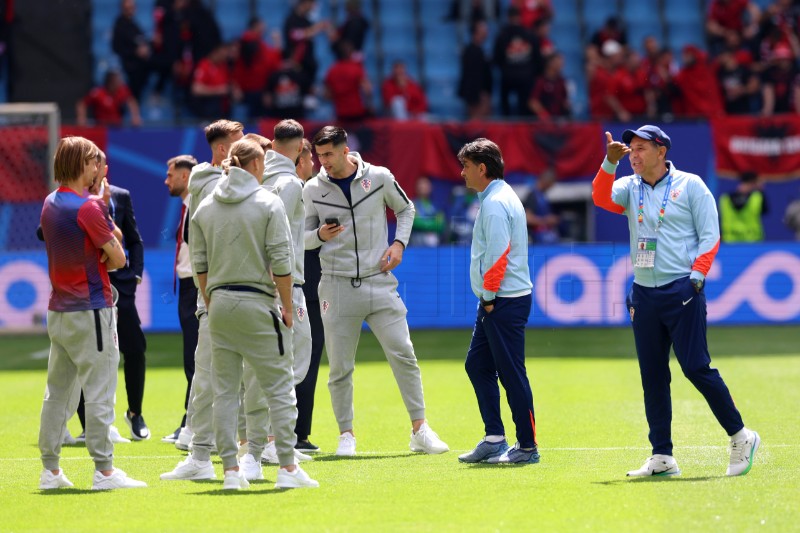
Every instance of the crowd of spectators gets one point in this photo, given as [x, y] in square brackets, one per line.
[749, 57]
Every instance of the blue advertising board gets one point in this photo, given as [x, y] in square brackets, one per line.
[574, 285]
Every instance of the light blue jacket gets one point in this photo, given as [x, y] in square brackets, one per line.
[499, 254]
[688, 238]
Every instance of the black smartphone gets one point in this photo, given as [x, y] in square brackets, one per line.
[334, 221]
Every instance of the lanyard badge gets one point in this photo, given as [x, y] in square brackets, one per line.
[646, 243]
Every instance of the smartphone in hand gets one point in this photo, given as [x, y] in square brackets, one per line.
[334, 221]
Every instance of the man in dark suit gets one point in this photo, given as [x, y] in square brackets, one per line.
[132, 342]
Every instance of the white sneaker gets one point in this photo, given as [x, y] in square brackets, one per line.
[301, 457]
[184, 439]
[743, 452]
[295, 480]
[191, 469]
[68, 439]
[117, 480]
[251, 468]
[657, 465]
[235, 480]
[270, 455]
[426, 440]
[347, 445]
[48, 480]
[116, 438]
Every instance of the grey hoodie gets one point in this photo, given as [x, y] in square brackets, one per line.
[356, 252]
[240, 235]
[280, 178]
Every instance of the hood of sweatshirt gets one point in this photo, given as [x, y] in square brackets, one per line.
[235, 186]
[201, 175]
[275, 163]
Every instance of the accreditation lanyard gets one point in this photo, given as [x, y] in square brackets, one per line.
[645, 244]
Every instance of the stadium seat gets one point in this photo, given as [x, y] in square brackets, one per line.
[434, 11]
[391, 12]
[683, 34]
[565, 10]
[638, 32]
[596, 13]
[641, 10]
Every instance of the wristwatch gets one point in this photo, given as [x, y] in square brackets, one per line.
[698, 284]
[486, 303]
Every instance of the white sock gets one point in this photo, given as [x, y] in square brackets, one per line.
[494, 439]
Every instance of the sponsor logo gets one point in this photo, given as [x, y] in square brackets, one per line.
[366, 184]
[325, 306]
[326, 194]
[687, 301]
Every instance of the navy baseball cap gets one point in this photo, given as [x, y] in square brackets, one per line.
[651, 133]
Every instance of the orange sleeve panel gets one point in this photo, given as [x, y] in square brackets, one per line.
[601, 192]
[493, 276]
[703, 262]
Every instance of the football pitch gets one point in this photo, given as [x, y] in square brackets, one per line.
[590, 425]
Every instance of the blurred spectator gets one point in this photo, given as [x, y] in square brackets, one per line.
[347, 86]
[780, 85]
[471, 11]
[353, 30]
[730, 16]
[660, 87]
[541, 30]
[402, 96]
[780, 22]
[738, 84]
[694, 85]
[298, 38]
[533, 11]
[284, 96]
[598, 75]
[255, 63]
[428, 227]
[475, 82]
[626, 91]
[542, 222]
[612, 30]
[107, 103]
[550, 98]
[130, 43]
[652, 50]
[211, 84]
[518, 57]
[741, 211]
[464, 207]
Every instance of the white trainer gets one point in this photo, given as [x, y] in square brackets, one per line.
[251, 468]
[116, 438]
[270, 455]
[117, 480]
[68, 439]
[235, 480]
[191, 469]
[657, 465]
[184, 439]
[426, 440]
[347, 445]
[743, 452]
[295, 480]
[48, 480]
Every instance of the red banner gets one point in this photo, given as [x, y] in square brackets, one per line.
[413, 149]
[769, 146]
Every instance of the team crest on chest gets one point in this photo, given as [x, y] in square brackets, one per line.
[674, 194]
[366, 184]
[325, 306]
[301, 313]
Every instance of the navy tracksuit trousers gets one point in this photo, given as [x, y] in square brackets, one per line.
[674, 315]
[497, 351]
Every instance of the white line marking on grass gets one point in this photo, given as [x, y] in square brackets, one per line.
[41, 354]
[406, 452]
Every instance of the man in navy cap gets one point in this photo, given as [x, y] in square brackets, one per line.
[674, 237]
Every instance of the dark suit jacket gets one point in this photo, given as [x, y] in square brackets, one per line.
[121, 209]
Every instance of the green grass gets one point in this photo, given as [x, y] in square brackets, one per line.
[591, 430]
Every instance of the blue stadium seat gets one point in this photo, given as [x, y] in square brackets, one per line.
[595, 13]
[684, 14]
[566, 38]
[638, 32]
[641, 10]
[442, 38]
[392, 12]
[434, 11]
[682, 34]
[565, 10]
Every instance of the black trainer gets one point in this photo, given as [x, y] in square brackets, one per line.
[139, 430]
[172, 438]
[306, 446]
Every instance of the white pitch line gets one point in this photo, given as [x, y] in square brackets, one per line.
[406, 452]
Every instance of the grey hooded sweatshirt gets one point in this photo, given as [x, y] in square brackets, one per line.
[356, 252]
[240, 235]
[280, 177]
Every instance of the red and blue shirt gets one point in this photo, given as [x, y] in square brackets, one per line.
[75, 229]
